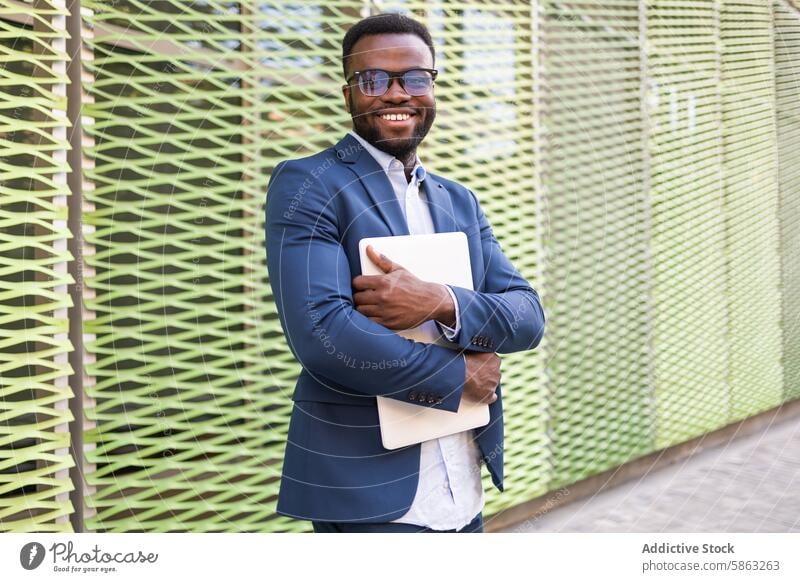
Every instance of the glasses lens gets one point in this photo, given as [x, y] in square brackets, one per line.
[373, 83]
[417, 82]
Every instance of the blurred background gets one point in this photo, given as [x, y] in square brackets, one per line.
[639, 161]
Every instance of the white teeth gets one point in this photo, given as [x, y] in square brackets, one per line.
[396, 117]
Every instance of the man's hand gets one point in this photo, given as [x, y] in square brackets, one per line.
[482, 377]
[397, 299]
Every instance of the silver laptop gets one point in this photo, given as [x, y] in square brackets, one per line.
[438, 258]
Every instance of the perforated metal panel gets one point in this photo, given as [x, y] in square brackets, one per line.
[602, 141]
[787, 89]
[597, 265]
[34, 437]
[751, 207]
[192, 378]
[690, 347]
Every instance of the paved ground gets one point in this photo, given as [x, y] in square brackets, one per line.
[750, 484]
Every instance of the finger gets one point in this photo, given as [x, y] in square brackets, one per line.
[488, 398]
[367, 297]
[363, 282]
[380, 260]
[369, 310]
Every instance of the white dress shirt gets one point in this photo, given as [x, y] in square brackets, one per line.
[449, 491]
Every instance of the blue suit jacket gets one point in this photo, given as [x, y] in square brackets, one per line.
[317, 209]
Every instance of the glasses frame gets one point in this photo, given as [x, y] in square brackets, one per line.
[392, 77]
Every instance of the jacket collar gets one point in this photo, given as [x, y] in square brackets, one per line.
[350, 151]
[385, 159]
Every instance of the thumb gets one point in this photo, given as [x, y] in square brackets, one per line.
[382, 261]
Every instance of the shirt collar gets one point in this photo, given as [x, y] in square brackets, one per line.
[384, 159]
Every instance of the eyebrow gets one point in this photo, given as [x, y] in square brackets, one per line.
[391, 71]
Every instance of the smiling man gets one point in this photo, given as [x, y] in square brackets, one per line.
[341, 325]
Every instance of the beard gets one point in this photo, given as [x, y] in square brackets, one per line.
[365, 125]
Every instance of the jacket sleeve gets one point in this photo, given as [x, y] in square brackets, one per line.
[312, 288]
[507, 316]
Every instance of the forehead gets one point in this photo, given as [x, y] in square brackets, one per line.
[394, 52]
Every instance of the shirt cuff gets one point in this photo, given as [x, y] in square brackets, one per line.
[451, 333]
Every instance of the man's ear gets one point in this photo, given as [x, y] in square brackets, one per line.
[346, 93]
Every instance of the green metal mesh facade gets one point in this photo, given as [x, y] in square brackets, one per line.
[638, 161]
[596, 302]
[34, 439]
[752, 233]
[690, 348]
[787, 83]
[191, 373]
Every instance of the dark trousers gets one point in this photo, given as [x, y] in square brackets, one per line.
[475, 526]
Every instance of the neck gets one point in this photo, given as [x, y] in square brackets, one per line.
[408, 159]
[408, 163]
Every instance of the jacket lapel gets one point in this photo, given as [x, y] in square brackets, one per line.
[440, 205]
[380, 190]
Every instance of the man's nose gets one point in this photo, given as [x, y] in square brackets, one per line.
[395, 91]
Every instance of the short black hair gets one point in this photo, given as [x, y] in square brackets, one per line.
[384, 23]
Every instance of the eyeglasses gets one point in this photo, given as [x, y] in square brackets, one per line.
[375, 82]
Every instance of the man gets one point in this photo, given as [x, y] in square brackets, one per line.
[341, 325]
